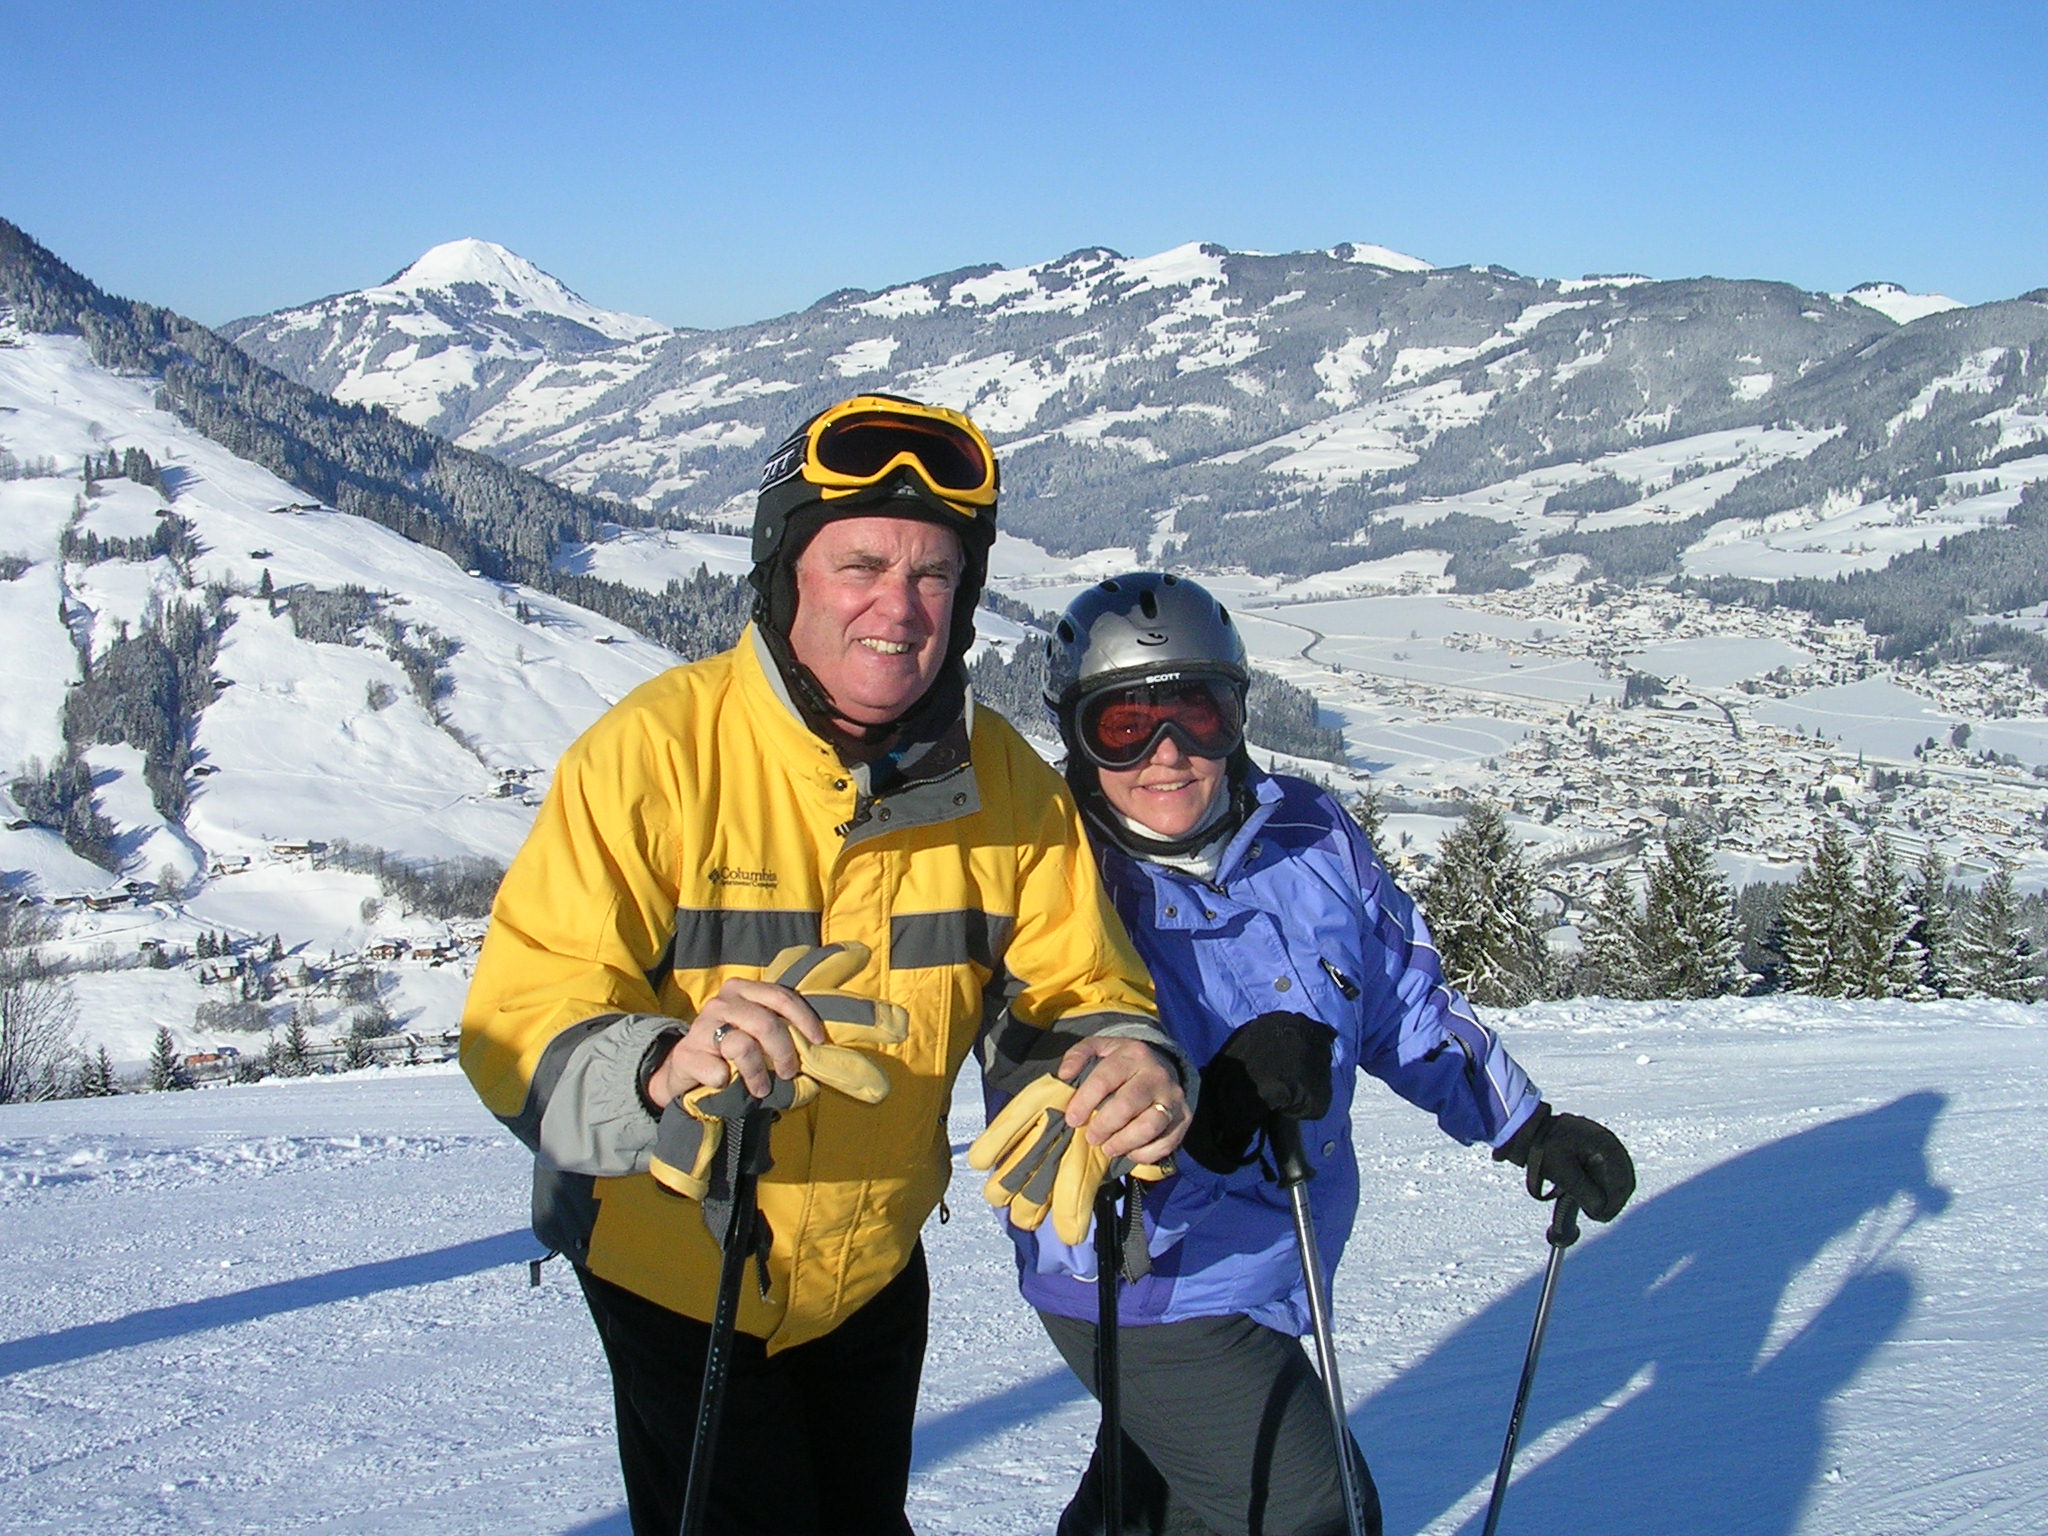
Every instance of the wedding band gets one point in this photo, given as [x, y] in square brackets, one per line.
[1162, 1109]
[719, 1034]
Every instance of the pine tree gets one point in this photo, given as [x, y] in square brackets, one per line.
[296, 1057]
[1818, 937]
[1994, 951]
[1690, 947]
[1481, 905]
[1611, 944]
[1881, 962]
[95, 1078]
[1932, 935]
[1366, 811]
[1759, 924]
[166, 1068]
[356, 1050]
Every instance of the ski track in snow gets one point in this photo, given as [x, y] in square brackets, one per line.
[305, 1306]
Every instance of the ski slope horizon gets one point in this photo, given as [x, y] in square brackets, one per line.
[305, 1305]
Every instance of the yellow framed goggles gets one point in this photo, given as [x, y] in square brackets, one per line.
[863, 441]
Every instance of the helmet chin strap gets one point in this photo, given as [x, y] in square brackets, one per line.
[1225, 817]
[857, 739]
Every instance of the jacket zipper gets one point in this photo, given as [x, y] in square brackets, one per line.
[1344, 983]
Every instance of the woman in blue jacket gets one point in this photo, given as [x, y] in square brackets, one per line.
[1287, 961]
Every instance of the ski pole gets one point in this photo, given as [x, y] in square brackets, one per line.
[1109, 1439]
[1564, 1231]
[1292, 1165]
[749, 1164]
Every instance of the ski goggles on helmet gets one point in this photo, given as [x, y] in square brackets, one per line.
[1121, 727]
[864, 441]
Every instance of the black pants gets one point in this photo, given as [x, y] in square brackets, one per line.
[815, 1440]
[1226, 1433]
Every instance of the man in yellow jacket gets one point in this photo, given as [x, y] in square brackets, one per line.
[827, 782]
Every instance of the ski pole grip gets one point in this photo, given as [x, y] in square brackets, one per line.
[1564, 1223]
[1283, 1132]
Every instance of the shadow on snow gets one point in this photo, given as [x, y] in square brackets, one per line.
[1686, 1404]
[1680, 1401]
[358, 1280]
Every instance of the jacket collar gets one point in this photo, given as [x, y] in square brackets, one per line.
[926, 777]
[1265, 794]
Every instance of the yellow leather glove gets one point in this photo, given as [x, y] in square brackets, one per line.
[815, 973]
[692, 1128]
[1043, 1165]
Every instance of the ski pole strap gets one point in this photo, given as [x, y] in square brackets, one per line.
[738, 1164]
[1134, 1254]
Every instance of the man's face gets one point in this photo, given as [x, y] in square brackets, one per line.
[874, 606]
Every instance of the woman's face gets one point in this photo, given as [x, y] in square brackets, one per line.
[1169, 792]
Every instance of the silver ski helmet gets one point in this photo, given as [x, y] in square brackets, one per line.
[1152, 634]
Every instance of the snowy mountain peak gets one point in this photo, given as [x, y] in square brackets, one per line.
[1380, 256]
[445, 337]
[478, 261]
[513, 283]
[1895, 303]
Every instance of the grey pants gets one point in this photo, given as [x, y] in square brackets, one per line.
[1226, 1433]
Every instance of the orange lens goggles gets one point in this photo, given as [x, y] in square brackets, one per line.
[866, 440]
[1122, 727]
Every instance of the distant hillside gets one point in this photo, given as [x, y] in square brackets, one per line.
[1318, 411]
[485, 515]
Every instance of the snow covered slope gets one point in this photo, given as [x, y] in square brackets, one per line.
[1891, 300]
[367, 690]
[304, 1306]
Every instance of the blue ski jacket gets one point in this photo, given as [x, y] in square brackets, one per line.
[1301, 916]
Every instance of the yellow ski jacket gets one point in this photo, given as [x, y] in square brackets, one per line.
[697, 829]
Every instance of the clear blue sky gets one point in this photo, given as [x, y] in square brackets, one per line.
[714, 164]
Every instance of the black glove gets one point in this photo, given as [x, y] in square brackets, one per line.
[1577, 1158]
[1278, 1064]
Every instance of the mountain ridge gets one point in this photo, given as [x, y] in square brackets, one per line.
[1302, 411]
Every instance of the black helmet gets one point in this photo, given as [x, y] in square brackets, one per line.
[874, 456]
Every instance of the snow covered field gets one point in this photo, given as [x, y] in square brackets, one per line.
[304, 1306]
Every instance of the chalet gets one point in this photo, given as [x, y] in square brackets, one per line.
[229, 864]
